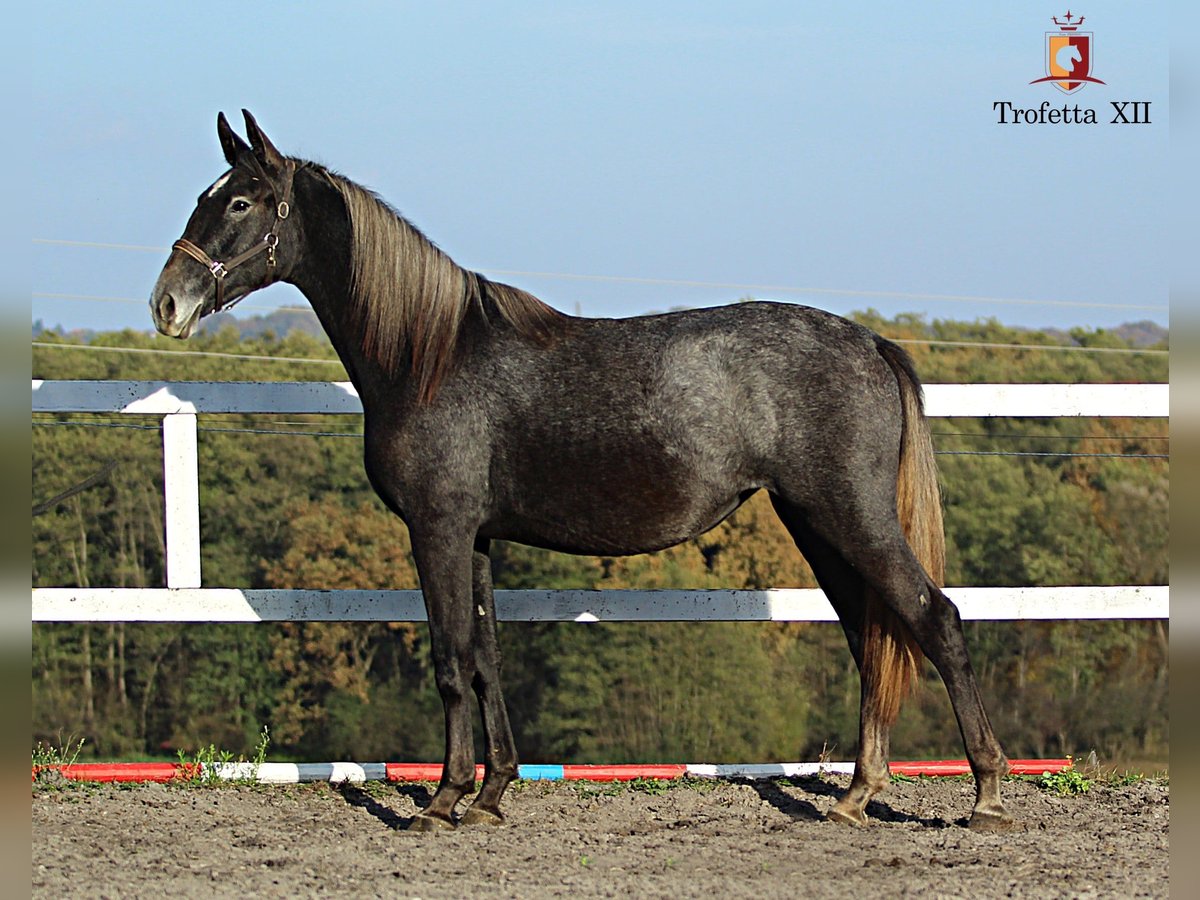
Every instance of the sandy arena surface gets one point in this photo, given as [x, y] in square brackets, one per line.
[565, 839]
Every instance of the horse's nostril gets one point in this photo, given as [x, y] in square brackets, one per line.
[166, 308]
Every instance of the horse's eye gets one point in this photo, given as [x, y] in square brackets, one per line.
[239, 206]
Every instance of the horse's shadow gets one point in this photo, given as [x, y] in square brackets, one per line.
[799, 809]
[355, 796]
[796, 808]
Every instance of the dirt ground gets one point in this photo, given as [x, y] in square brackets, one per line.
[566, 839]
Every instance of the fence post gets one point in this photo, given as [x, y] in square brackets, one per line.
[181, 496]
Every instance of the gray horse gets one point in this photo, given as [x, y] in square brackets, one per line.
[489, 415]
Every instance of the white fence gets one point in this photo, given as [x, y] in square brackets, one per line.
[184, 600]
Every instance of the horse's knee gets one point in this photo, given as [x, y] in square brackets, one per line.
[452, 682]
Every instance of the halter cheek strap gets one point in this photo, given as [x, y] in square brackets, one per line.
[270, 241]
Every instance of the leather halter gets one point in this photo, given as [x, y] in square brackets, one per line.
[270, 241]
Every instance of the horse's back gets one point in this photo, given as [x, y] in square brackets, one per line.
[729, 381]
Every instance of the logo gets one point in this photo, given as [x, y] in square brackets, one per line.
[1069, 54]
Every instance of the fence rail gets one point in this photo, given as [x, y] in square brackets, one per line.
[184, 600]
[777, 605]
[340, 398]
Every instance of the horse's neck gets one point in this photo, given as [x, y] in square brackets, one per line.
[323, 275]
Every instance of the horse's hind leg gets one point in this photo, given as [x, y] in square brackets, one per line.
[862, 539]
[500, 751]
[846, 592]
[938, 628]
[871, 774]
[888, 566]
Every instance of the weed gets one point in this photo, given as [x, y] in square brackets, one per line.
[206, 764]
[699, 785]
[590, 789]
[1065, 783]
[377, 790]
[203, 767]
[260, 749]
[901, 778]
[651, 786]
[1122, 779]
[47, 756]
[48, 760]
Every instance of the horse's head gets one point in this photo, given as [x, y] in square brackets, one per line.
[235, 240]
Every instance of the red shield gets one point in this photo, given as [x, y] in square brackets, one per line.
[1068, 60]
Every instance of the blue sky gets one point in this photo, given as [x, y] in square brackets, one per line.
[841, 156]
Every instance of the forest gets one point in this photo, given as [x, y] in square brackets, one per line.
[285, 503]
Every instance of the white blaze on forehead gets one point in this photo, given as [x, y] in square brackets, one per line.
[218, 184]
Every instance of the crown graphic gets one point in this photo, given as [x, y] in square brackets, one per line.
[1068, 25]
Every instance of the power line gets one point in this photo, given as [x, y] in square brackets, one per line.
[1052, 437]
[208, 428]
[99, 245]
[1052, 454]
[836, 292]
[249, 356]
[358, 434]
[91, 481]
[988, 345]
[93, 298]
[737, 286]
[925, 342]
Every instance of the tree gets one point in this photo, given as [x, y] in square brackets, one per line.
[296, 510]
[333, 672]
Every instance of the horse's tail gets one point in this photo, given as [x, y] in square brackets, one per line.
[890, 655]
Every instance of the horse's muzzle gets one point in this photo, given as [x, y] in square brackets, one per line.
[173, 318]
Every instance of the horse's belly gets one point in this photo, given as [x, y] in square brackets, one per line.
[616, 523]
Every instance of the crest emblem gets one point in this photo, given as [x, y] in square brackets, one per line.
[1069, 53]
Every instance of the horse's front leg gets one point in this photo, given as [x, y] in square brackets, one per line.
[500, 759]
[444, 566]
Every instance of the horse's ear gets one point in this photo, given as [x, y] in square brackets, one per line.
[231, 144]
[264, 151]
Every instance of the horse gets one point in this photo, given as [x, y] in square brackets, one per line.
[489, 415]
[1066, 57]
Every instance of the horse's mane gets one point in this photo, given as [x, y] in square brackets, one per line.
[413, 299]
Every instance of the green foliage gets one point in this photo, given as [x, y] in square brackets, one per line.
[652, 693]
[1124, 778]
[203, 767]
[291, 510]
[652, 786]
[1065, 782]
[590, 789]
[49, 757]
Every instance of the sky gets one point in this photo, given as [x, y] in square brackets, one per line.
[622, 158]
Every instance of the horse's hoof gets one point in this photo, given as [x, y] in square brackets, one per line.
[428, 824]
[842, 817]
[477, 816]
[985, 820]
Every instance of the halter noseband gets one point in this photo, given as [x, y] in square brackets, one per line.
[270, 241]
